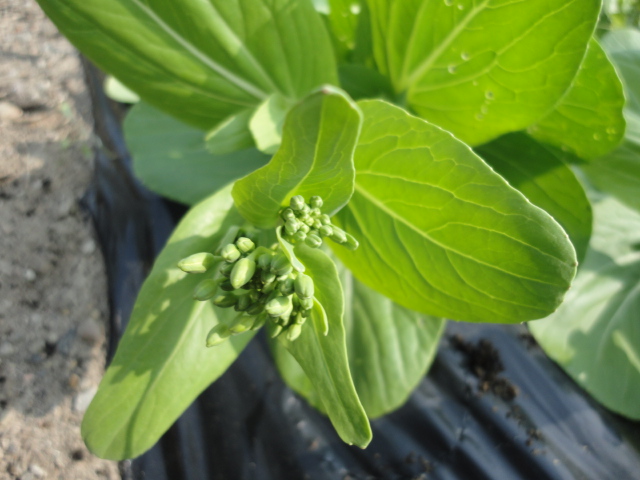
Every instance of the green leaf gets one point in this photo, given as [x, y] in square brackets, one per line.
[541, 175]
[594, 335]
[267, 122]
[294, 376]
[202, 61]
[618, 173]
[588, 120]
[171, 158]
[482, 68]
[323, 358]
[442, 233]
[231, 136]
[390, 349]
[343, 19]
[288, 250]
[375, 86]
[163, 347]
[315, 158]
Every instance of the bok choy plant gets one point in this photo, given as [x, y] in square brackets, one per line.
[357, 171]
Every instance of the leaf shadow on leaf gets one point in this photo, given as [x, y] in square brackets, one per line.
[165, 338]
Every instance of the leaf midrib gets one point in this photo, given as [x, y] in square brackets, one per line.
[407, 79]
[248, 87]
[448, 248]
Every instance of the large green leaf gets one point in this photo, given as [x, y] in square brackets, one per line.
[588, 120]
[163, 348]
[541, 175]
[618, 173]
[323, 358]
[390, 349]
[481, 68]
[267, 122]
[232, 135]
[595, 334]
[171, 157]
[202, 61]
[441, 233]
[343, 19]
[315, 158]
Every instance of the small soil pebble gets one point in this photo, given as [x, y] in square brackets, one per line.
[90, 331]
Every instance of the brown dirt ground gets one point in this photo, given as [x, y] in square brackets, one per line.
[52, 282]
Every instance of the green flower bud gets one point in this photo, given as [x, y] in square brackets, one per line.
[313, 240]
[242, 324]
[226, 268]
[225, 301]
[299, 237]
[285, 317]
[351, 242]
[205, 290]
[267, 277]
[197, 263]
[243, 303]
[245, 245]
[306, 303]
[303, 285]
[242, 272]
[325, 219]
[280, 265]
[309, 221]
[297, 202]
[284, 272]
[255, 309]
[286, 286]
[264, 261]
[315, 213]
[254, 295]
[304, 228]
[325, 230]
[260, 321]
[273, 329]
[230, 253]
[287, 214]
[217, 335]
[292, 226]
[278, 306]
[293, 332]
[226, 286]
[317, 224]
[300, 318]
[316, 201]
[338, 236]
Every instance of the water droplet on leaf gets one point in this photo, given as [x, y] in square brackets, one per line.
[451, 68]
[488, 95]
[464, 56]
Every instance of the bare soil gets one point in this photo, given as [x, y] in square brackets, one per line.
[52, 281]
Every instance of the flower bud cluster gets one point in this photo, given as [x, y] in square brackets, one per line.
[305, 222]
[259, 283]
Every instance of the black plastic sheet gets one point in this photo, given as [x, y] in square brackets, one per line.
[493, 406]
